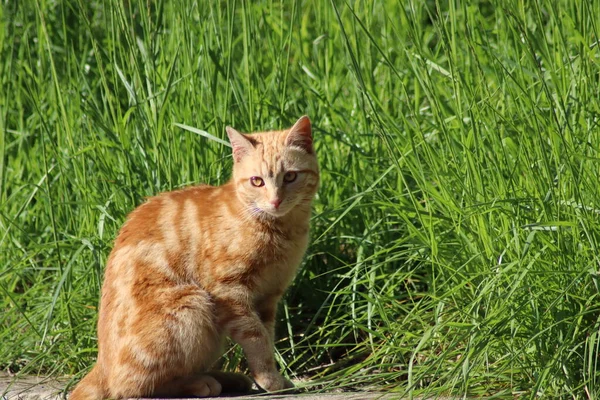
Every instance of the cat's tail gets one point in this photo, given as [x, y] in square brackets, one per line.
[90, 387]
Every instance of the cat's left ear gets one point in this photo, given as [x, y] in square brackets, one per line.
[300, 135]
[241, 144]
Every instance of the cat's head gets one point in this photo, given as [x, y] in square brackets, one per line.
[274, 172]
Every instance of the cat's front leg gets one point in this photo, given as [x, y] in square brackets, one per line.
[245, 327]
[266, 308]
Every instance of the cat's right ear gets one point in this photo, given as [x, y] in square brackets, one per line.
[240, 144]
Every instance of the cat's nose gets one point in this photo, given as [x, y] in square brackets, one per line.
[276, 203]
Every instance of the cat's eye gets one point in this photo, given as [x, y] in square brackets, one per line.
[290, 176]
[257, 181]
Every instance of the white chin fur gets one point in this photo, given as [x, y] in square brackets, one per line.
[273, 212]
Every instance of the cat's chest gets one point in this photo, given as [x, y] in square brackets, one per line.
[273, 267]
[275, 253]
[265, 261]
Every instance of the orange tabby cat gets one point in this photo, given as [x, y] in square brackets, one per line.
[193, 266]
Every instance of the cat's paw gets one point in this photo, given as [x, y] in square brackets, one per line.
[205, 386]
[273, 382]
[287, 384]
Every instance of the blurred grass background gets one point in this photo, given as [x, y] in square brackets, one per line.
[455, 235]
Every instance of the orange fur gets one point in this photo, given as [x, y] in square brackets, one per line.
[193, 266]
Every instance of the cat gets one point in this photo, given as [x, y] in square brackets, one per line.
[193, 266]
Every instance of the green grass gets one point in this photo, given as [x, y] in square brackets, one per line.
[455, 235]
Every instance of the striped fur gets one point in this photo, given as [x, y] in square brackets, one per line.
[193, 266]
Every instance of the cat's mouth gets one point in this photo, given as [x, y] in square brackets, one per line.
[276, 213]
[269, 211]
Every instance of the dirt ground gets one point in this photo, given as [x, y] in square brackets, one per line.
[41, 388]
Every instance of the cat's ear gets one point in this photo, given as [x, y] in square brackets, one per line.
[300, 135]
[241, 144]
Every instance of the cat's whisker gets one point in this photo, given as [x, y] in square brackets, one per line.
[250, 213]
